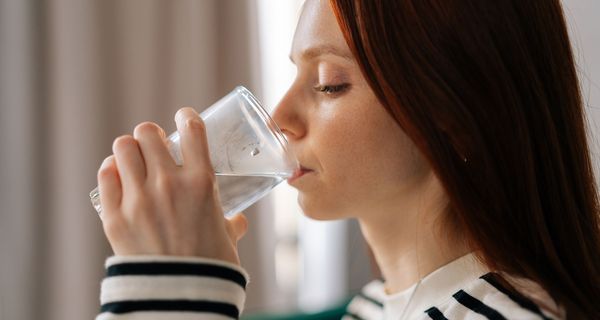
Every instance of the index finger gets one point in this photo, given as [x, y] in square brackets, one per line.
[193, 140]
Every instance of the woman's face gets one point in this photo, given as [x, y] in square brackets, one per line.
[361, 163]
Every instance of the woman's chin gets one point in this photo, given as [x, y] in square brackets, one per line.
[320, 212]
[320, 216]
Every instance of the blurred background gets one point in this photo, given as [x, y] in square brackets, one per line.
[75, 74]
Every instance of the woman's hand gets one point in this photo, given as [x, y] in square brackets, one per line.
[151, 206]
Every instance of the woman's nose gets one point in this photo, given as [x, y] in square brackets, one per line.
[289, 117]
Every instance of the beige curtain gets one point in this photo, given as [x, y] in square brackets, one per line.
[73, 76]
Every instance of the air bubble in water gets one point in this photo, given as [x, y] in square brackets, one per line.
[255, 152]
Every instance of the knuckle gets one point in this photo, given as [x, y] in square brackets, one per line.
[202, 182]
[185, 112]
[107, 168]
[188, 109]
[105, 172]
[123, 142]
[164, 180]
[147, 128]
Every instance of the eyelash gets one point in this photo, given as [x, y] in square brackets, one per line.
[331, 89]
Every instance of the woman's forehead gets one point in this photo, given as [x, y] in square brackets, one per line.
[318, 33]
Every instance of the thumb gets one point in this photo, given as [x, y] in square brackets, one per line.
[237, 227]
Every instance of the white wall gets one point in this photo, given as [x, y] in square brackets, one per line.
[583, 17]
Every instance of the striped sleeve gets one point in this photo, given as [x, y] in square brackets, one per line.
[174, 288]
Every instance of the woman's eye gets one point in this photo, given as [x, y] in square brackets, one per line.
[332, 89]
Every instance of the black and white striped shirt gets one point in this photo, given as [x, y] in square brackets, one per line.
[462, 289]
[185, 288]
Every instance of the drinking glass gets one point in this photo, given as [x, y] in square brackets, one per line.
[249, 154]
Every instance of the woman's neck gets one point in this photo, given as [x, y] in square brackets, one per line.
[405, 255]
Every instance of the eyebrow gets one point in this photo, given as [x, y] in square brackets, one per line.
[314, 52]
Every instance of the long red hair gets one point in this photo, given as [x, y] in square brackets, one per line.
[493, 82]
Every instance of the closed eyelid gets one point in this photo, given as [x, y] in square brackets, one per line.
[335, 79]
[332, 75]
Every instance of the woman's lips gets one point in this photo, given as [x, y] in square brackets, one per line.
[299, 172]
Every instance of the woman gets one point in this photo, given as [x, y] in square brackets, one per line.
[453, 131]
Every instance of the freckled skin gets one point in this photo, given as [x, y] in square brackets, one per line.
[362, 158]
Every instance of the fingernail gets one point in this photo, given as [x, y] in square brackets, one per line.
[193, 123]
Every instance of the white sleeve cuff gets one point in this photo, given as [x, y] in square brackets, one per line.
[172, 284]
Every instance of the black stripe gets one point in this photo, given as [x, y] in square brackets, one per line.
[370, 299]
[474, 304]
[435, 314]
[176, 269]
[352, 315]
[520, 300]
[120, 307]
